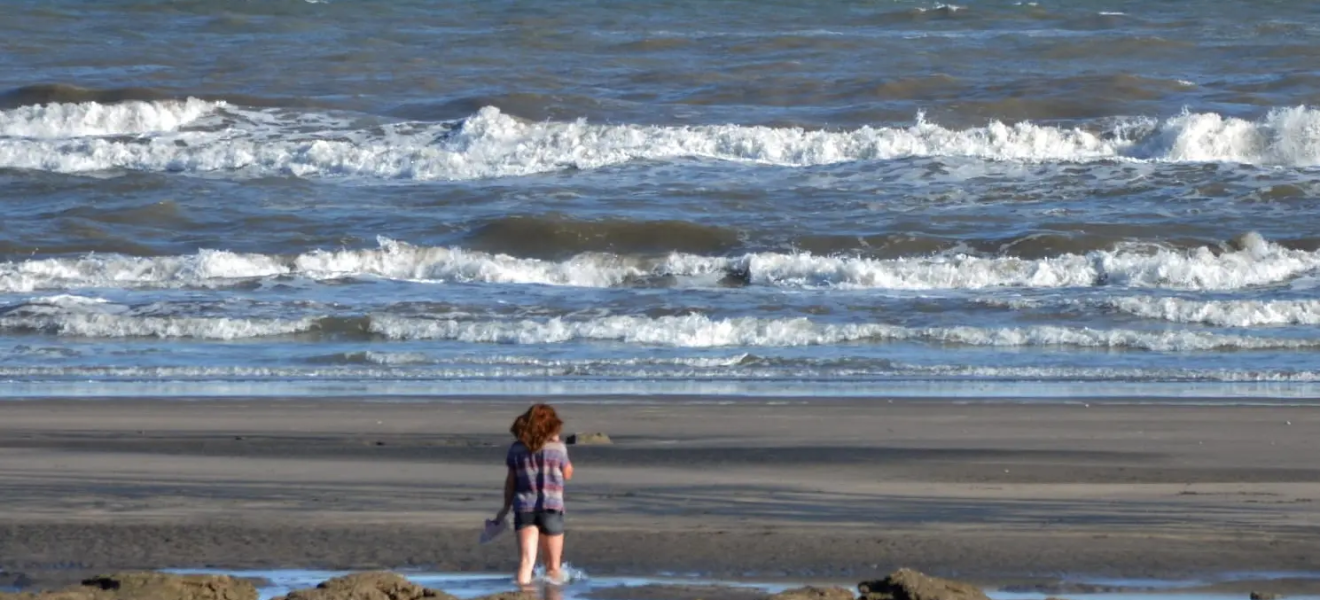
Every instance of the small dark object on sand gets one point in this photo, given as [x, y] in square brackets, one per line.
[589, 439]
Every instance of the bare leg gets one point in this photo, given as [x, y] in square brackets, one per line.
[553, 547]
[527, 542]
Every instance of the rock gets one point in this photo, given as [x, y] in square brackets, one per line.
[589, 439]
[814, 593]
[906, 584]
[376, 585]
[150, 586]
[164, 586]
[1265, 596]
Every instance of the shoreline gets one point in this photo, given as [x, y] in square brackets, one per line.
[685, 398]
[830, 491]
[569, 390]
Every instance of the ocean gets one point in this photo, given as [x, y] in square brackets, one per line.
[994, 199]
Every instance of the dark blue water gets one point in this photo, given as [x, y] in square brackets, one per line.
[994, 198]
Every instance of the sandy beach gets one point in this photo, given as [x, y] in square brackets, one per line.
[818, 490]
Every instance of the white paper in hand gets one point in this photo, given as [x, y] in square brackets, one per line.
[493, 529]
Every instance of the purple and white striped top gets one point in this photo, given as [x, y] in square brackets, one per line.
[539, 476]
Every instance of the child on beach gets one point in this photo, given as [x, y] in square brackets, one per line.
[534, 490]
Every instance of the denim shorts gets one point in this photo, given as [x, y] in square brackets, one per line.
[548, 522]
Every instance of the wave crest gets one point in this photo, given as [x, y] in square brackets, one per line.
[92, 119]
[1255, 262]
[491, 143]
[700, 331]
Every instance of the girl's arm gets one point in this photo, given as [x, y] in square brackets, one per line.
[568, 464]
[509, 486]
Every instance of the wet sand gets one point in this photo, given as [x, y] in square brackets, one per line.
[826, 490]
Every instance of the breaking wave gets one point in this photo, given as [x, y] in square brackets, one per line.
[79, 137]
[92, 119]
[1220, 313]
[124, 326]
[94, 318]
[1223, 313]
[1252, 261]
[700, 331]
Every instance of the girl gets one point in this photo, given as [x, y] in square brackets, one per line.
[534, 490]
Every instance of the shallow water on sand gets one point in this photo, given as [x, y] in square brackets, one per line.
[209, 194]
[465, 585]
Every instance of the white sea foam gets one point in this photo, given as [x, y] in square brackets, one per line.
[96, 119]
[700, 331]
[1224, 313]
[493, 144]
[399, 260]
[102, 325]
[947, 8]
[1221, 313]
[213, 267]
[685, 331]
[65, 301]
[1257, 263]
[1107, 374]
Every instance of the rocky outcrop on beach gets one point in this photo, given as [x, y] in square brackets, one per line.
[906, 584]
[149, 586]
[814, 593]
[376, 585]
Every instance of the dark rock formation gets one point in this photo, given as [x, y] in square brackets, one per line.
[906, 584]
[149, 586]
[376, 585]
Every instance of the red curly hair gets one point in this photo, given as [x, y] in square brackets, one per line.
[536, 426]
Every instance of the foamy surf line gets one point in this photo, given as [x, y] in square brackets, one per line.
[200, 137]
[1248, 261]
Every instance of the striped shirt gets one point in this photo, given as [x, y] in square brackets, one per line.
[539, 476]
